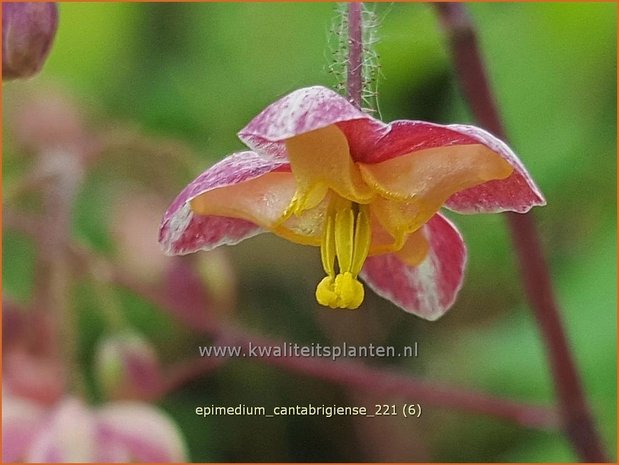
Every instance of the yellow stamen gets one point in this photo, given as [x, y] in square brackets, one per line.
[327, 247]
[363, 238]
[346, 236]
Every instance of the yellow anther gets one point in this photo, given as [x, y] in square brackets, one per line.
[345, 291]
[349, 291]
[325, 293]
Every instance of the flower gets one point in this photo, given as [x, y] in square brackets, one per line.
[70, 431]
[323, 173]
[28, 30]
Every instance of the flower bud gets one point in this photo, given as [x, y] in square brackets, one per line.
[127, 367]
[28, 30]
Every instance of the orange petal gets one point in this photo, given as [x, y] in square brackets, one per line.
[382, 241]
[321, 159]
[431, 176]
[415, 249]
[261, 200]
[399, 218]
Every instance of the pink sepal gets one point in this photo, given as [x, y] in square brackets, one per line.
[517, 193]
[182, 232]
[371, 143]
[301, 111]
[427, 290]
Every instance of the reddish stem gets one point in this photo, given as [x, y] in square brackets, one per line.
[576, 415]
[354, 82]
[59, 172]
[346, 373]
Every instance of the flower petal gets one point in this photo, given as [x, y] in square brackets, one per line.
[517, 192]
[183, 232]
[145, 432]
[68, 436]
[321, 159]
[301, 111]
[433, 175]
[261, 200]
[429, 289]
[20, 424]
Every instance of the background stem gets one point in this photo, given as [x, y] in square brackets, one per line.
[55, 326]
[576, 417]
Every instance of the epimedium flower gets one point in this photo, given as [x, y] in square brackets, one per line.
[323, 173]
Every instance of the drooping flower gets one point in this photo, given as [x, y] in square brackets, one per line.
[71, 431]
[28, 30]
[323, 173]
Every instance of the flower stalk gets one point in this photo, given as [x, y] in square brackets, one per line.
[576, 416]
[354, 83]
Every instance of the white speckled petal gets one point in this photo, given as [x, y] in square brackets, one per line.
[299, 112]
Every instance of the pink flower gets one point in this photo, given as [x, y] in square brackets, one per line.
[325, 174]
[73, 432]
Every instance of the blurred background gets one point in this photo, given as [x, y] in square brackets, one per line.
[149, 95]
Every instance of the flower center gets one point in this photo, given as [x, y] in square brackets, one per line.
[346, 236]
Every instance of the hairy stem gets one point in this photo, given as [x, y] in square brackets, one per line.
[576, 415]
[354, 81]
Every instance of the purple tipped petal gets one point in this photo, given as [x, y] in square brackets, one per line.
[144, 432]
[517, 193]
[183, 232]
[427, 290]
[302, 111]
